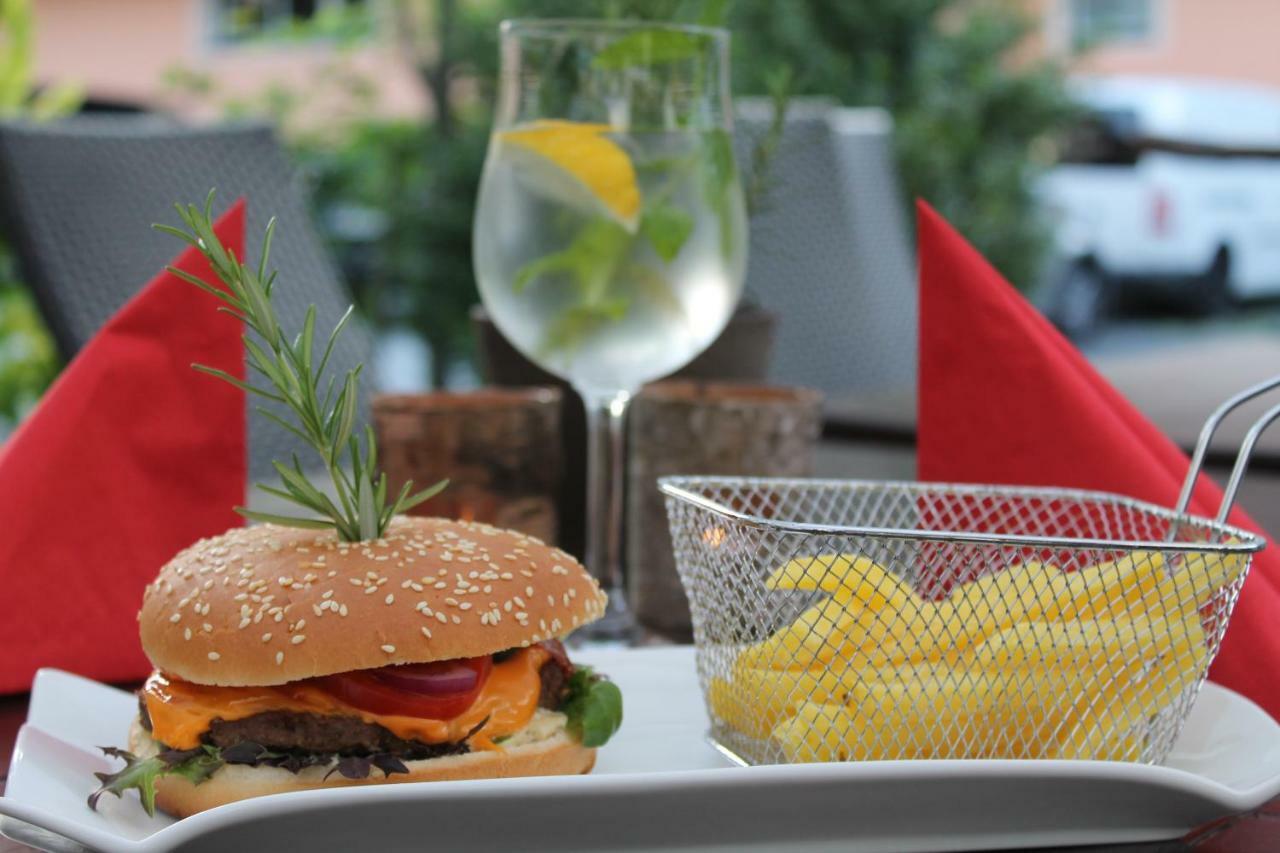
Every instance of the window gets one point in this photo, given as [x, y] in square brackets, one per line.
[1097, 22]
[246, 20]
[1105, 137]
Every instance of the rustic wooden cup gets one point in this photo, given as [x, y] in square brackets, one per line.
[685, 427]
[498, 447]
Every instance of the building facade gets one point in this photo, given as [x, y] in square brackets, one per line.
[197, 57]
[1222, 39]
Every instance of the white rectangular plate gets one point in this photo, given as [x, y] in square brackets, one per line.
[657, 785]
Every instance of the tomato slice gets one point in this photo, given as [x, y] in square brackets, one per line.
[440, 690]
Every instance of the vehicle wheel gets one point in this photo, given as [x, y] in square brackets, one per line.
[1213, 290]
[1081, 299]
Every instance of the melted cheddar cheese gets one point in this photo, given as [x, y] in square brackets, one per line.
[181, 711]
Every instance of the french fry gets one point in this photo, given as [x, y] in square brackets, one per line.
[828, 631]
[1030, 662]
[1087, 644]
[1135, 583]
[1023, 592]
[1142, 582]
[756, 699]
[847, 578]
[1202, 576]
[816, 732]
[918, 718]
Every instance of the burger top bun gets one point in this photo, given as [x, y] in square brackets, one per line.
[267, 605]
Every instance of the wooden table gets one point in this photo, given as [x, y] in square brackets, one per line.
[1255, 832]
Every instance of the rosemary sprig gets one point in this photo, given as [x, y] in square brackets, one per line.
[325, 421]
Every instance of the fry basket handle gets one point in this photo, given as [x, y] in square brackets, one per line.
[1242, 459]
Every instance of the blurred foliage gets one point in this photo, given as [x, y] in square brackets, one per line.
[395, 198]
[249, 22]
[28, 358]
[966, 116]
[415, 268]
[19, 96]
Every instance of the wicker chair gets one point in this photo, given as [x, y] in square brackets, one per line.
[77, 199]
[831, 250]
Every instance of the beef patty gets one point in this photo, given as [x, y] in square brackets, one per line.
[289, 731]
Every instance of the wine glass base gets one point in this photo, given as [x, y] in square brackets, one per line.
[617, 625]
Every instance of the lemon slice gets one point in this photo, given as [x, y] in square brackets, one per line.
[575, 164]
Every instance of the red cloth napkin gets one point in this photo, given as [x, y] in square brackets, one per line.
[130, 457]
[1004, 398]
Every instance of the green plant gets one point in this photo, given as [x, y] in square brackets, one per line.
[19, 96]
[419, 185]
[417, 181]
[323, 419]
[28, 358]
[966, 117]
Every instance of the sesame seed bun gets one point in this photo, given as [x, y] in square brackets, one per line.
[267, 605]
[553, 753]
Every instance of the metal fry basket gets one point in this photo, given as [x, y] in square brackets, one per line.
[856, 620]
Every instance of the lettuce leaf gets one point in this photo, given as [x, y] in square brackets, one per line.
[142, 773]
[593, 706]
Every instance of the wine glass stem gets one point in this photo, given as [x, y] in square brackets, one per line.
[606, 420]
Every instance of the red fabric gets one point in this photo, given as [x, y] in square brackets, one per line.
[1004, 398]
[130, 457]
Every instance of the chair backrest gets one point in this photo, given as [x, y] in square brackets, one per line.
[831, 252]
[78, 198]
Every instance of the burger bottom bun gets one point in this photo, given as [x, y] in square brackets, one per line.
[554, 755]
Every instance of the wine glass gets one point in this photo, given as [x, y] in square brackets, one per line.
[610, 235]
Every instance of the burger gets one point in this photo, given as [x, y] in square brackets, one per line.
[287, 659]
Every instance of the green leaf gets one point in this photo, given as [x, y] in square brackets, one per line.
[346, 415]
[206, 287]
[367, 508]
[333, 338]
[298, 484]
[578, 322]
[589, 260]
[666, 227]
[306, 340]
[283, 424]
[286, 520]
[425, 495]
[650, 47]
[137, 773]
[199, 767]
[286, 495]
[239, 383]
[141, 773]
[593, 706]
[266, 250]
[57, 101]
[719, 177]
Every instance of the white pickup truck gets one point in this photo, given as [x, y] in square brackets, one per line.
[1170, 185]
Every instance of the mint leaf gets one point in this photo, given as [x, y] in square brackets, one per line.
[578, 322]
[719, 175]
[666, 227]
[588, 260]
[593, 706]
[650, 47]
[142, 773]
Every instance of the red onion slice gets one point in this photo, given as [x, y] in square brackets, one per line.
[439, 678]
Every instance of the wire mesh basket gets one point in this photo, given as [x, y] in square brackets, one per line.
[852, 620]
